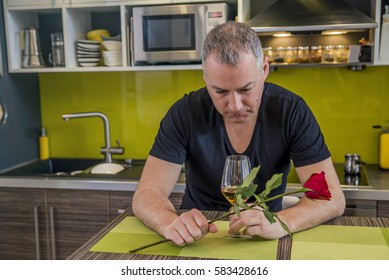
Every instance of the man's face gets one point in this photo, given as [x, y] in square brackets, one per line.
[236, 91]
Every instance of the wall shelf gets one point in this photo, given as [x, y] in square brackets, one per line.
[74, 18]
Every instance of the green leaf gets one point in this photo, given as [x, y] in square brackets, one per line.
[284, 226]
[250, 178]
[236, 210]
[270, 216]
[247, 191]
[241, 203]
[274, 182]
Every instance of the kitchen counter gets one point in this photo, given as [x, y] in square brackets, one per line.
[376, 189]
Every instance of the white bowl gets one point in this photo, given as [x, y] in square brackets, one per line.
[107, 168]
[112, 58]
[112, 45]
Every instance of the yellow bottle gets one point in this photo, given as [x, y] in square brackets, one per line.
[43, 145]
[384, 150]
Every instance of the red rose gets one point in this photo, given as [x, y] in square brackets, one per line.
[318, 184]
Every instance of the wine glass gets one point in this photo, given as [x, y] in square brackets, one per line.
[236, 169]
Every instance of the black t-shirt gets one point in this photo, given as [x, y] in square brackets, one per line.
[193, 132]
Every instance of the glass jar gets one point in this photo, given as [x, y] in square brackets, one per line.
[328, 54]
[315, 54]
[303, 54]
[291, 55]
[279, 55]
[269, 53]
[341, 53]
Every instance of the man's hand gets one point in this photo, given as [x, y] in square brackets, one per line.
[188, 227]
[254, 223]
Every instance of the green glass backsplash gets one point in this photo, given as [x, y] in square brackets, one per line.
[346, 104]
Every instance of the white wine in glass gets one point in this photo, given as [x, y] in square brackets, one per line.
[236, 169]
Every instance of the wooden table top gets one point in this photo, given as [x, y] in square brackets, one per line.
[283, 251]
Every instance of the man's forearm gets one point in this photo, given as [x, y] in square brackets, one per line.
[154, 209]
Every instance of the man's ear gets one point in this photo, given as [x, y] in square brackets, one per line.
[265, 67]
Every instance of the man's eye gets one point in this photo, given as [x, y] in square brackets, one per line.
[245, 89]
[221, 91]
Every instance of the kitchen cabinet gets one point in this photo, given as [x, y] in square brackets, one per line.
[74, 18]
[49, 223]
[74, 216]
[119, 201]
[122, 200]
[383, 209]
[13, 3]
[23, 231]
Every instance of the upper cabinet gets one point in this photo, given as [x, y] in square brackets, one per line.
[31, 25]
[29, 3]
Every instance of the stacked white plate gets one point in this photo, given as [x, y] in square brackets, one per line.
[88, 53]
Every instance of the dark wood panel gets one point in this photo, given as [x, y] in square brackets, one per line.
[383, 209]
[17, 224]
[78, 215]
[122, 200]
[119, 201]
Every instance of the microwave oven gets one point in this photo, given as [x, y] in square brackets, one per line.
[173, 33]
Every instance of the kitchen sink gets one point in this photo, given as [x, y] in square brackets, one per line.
[75, 167]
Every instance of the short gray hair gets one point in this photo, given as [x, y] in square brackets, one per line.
[229, 40]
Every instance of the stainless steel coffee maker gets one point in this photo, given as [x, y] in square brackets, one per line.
[32, 54]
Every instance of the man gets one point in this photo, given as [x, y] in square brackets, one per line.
[237, 113]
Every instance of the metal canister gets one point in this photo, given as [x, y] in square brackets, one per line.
[352, 164]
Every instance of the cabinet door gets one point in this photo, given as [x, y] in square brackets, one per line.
[383, 209]
[22, 224]
[74, 217]
[120, 201]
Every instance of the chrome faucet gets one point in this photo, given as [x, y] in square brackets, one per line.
[107, 151]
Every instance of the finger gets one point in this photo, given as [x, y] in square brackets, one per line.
[178, 233]
[201, 221]
[176, 238]
[196, 224]
[212, 228]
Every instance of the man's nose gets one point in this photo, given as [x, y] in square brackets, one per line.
[235, 102]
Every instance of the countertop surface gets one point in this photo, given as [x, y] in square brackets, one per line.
[377, 187]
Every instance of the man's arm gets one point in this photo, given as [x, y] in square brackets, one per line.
[305, 214]
[151, 204]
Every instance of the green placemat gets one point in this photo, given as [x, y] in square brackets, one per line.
[131, 233]
[341, 243]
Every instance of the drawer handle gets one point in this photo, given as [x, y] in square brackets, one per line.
[36, 224]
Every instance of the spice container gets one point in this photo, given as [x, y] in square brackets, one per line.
[269, 53]
[341, 53]
[291, 55]
[303, 54]
[328, 54]
[315, 54]
[279, 55]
